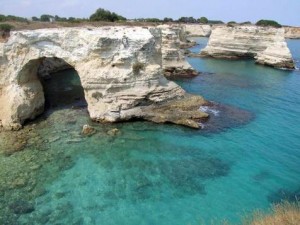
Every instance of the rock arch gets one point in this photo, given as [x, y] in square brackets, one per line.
[114, 89]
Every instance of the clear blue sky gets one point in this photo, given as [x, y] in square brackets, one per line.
[284, 11]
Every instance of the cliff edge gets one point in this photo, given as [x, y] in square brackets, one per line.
[120, 69]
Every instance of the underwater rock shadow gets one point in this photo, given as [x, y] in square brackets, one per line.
[284, 195]
[223, 117]
[171, 178]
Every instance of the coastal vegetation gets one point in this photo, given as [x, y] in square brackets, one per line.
[5, 30]
[103, 15]
[203, 20]
[6, 27]
[106, 15]
[266, 23]
[283, 213]
[4, 18]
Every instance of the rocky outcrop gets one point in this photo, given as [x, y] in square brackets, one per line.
[198, 30]
[265, 44]
[292, 32]
[173, 58]
[120, 69]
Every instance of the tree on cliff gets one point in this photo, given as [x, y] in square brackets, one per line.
[266, 23]
[187, 20]
[5, 30]
[105, 15]
[167, 19]
[34, 18]
[46, 18]
[203, 20]
[12, 18]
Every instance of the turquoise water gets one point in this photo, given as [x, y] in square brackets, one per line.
[166, 174]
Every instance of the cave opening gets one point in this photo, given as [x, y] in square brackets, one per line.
[61, 85]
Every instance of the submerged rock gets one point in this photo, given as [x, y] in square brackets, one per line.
[113, 132]
[266, 45]
[184, 111]
[88, 130]
[21, 207]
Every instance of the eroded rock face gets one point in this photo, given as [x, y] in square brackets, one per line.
[51, 65]
[119, 68]
[265, 44]
[198, 30]
[173, 58]
[292, 32]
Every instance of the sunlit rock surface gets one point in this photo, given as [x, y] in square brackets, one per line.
[292, 32]
[173, 58]
[198, 30]
[265, 44]
[120, 69]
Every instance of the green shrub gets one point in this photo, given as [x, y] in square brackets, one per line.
[46, 18]
[6, 27]
[167, 19]
[12, 18]
[152, 20]
[105, 15]
[34, 18]
[215, 22]
[137, 67]
[203, 20]
[187, 20]
[266, 23]
[2, 18]
[246, 23]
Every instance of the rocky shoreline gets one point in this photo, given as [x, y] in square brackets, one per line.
[120, 69]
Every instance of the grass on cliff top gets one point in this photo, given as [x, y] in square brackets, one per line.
[285, 213]
[33, 25]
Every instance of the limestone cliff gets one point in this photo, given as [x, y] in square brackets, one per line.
[173, 58]
[265, 44]
[292, 32]
[119, 68]
[198, 30]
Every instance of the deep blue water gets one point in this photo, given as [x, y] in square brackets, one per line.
[165, 174]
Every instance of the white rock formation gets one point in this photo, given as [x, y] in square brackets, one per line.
[173, 58]
[198, 30]
[266, 44]
[292, 32]
[119, 68]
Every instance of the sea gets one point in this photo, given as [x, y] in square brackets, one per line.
[141, 173]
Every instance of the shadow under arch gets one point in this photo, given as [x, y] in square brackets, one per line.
[50, 84]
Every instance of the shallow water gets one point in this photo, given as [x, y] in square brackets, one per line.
[164, 174]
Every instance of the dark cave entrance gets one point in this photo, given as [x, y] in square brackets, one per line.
[61, 85]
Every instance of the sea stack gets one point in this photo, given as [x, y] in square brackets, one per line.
[173, 58]
[266, 45]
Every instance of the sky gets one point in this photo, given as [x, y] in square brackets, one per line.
[286, 12]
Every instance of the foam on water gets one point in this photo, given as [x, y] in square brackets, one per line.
[209, 110]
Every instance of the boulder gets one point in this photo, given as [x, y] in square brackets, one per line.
[88, 130]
